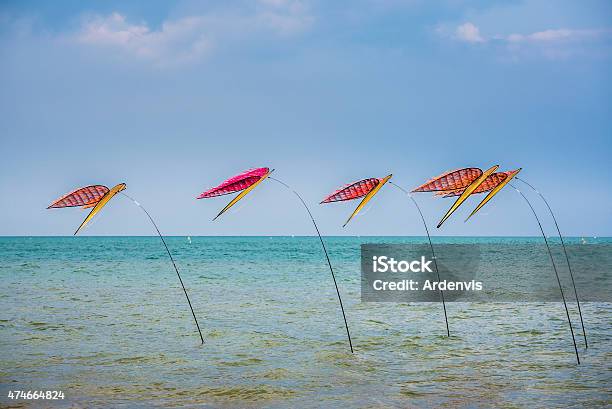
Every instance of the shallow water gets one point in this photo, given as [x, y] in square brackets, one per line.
[104, 320]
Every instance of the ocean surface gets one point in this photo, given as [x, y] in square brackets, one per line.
[105, 321]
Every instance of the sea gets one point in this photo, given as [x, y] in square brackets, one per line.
[104, 321]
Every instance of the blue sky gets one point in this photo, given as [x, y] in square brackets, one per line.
[173, 97]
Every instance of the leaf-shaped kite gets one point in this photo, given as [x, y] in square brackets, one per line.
[510, 175]
[352, 190]
[368, 187]
[455, 179]
[96, 196]
[235, 183]
[84, 196]
[490, 183]
[101, 203]
[467, 192]
[245, 182]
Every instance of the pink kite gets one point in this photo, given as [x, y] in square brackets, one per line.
[236, 183]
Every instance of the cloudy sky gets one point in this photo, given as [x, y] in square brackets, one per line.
[173, 97]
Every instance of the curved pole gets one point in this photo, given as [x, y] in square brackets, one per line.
[173, 263]
[566, 257]
[433, 254]
[552, 260]
[348, 334]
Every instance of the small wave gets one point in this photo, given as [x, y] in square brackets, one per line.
[242, 362]
[249, 393]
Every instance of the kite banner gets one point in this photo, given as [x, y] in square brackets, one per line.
[97, 196]
[243, 183]
[247, 181]
[368, 197]
[243, 194]
[369, 188]
[236, 183]
[101, 203]
[490, 183]
[467, 192]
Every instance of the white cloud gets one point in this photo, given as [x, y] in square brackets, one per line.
[190, 38]
[552, 43]
[468, 32]
[556, 35]
[176, 41]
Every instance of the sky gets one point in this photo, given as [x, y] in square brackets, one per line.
[174, 97]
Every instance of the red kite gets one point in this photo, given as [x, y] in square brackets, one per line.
[491, 182]
[494, 183]
[467, 192]
[369, 188]
[366, 187]
[96, 196]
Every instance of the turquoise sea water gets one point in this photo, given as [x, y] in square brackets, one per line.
[104, 320]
